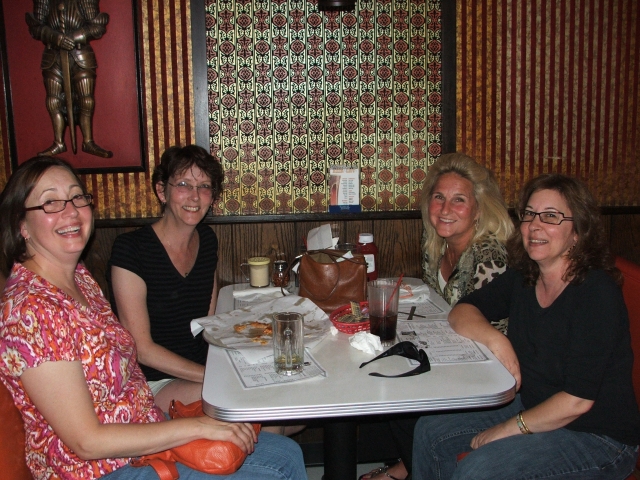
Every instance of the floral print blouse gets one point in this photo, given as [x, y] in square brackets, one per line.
[480, 263]
[40, 323]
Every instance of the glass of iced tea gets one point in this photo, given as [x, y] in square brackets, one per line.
[383, 309]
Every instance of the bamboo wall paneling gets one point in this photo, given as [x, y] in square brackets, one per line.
[552, 86]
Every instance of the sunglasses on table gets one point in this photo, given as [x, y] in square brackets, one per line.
[408, 350]
[552, 218]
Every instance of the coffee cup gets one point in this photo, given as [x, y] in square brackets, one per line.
[288, 343]
[258, 271]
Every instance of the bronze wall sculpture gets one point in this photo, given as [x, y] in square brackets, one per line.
[69, 66]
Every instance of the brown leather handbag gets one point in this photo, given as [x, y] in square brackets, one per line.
[331, 283]
[209, 456]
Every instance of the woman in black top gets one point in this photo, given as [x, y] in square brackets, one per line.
[569, 350]
[162, 276]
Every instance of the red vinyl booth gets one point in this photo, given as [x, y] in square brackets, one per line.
[631, 292]
[12, 461]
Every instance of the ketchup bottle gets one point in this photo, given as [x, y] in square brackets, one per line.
[366, 247]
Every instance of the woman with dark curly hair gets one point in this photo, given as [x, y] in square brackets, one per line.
[569, 350]
[163, 275]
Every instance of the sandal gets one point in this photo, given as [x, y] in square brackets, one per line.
[377, 471]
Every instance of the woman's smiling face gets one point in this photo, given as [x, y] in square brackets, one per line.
[548, 244]
[453, 209]
[59, 236]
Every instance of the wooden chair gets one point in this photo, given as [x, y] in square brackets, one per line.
[12, 460]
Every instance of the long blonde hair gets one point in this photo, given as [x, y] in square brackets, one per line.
[493, 218]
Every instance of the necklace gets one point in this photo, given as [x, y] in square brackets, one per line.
[450, 255]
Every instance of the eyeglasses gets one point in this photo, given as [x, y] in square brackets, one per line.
[408, 350]
[552, 218]
[184, 187]
[55, 206]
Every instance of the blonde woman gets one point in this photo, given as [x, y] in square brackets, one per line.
[466, 226]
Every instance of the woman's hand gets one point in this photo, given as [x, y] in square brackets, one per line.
[240, 434]
[502, 430]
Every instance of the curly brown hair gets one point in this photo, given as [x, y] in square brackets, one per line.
[591, 251]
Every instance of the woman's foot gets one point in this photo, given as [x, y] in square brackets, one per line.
[396, 471]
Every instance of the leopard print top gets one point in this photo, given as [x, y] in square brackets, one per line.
[479, 264]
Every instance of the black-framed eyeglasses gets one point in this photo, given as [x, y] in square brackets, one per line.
[408, 350]
[184, 187]
[552, 218]
[55, 206]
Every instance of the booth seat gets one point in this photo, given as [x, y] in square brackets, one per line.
[12, 461]
[631, 292]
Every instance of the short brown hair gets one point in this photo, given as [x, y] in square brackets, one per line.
[177, 159]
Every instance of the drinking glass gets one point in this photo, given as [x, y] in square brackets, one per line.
[288, 343]
[383, 309]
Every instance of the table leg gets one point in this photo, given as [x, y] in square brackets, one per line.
[340, 450]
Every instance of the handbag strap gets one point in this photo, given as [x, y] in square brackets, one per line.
[165, 469]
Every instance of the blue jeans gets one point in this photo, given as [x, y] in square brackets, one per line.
[276, 457]
[561, 453]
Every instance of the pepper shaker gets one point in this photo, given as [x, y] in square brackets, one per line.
[280, 274]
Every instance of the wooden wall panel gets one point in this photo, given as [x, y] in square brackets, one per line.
[552, 86]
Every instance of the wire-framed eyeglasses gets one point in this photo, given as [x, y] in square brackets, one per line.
[552, 218]
[184, 187]
[55, 206]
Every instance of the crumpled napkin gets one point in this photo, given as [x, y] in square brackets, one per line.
[412, 294]
[365, 341]
[254, 294]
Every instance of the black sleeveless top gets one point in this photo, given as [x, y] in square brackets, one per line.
[172, 300]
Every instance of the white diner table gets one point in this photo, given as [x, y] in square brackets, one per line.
[348, 391]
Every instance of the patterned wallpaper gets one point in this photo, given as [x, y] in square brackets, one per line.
[543, 85]
[293, 91]
[552, 85]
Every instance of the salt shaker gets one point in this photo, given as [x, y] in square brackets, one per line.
[280, 273]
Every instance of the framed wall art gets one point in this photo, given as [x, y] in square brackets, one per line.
[108, 140]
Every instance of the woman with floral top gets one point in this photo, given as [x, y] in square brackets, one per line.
[466, 226]
[69, 364]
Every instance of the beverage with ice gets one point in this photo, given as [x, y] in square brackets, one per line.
[384, 327]
[383, 309]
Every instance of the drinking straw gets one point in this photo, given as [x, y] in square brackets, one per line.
[395, 289]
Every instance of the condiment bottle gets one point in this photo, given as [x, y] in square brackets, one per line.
[280, 276]
[366, 247]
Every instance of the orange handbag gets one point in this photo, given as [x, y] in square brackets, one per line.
[208, 456]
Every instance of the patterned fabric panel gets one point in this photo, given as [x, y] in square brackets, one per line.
[294, 91]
